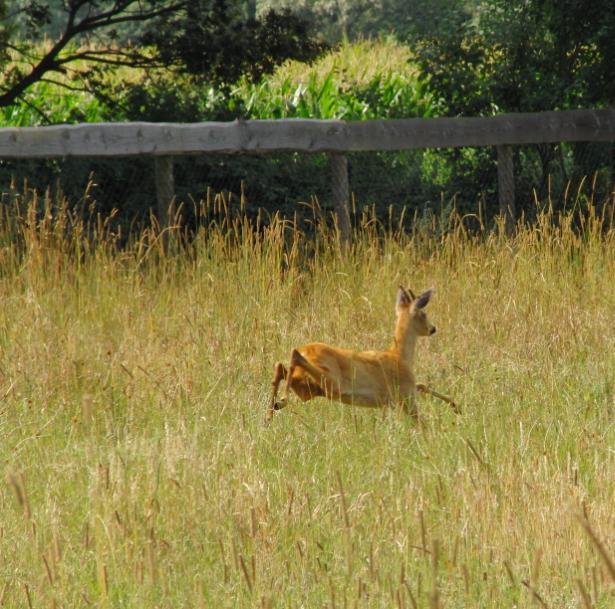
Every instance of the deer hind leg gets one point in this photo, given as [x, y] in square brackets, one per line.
[425, 389]
[304, 379]
[279, 373]
[304, 390]
[305, 386]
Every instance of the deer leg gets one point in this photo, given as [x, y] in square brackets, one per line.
[305, 386]
[410, 407]
[424, 389]
[279, 373]
[296, 359]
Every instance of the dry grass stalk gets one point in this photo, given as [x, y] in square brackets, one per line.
[610, 565]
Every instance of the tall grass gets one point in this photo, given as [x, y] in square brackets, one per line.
[134, 382]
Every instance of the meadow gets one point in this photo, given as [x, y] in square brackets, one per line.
[134, 380]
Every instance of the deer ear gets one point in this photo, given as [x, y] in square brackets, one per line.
[422, 301]
[403, 298]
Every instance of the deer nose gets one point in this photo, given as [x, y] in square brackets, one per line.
[432, 330]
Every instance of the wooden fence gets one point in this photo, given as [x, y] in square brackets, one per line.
[163, 141]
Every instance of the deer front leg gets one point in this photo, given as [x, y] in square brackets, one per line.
[425, 389]
[409, 406]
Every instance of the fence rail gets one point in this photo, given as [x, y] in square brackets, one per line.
[165, 140]
[304, 135]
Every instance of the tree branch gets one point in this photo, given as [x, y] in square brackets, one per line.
[30, 105]
[52, 61]
[113, 58]
[109, 18]
[64, 85]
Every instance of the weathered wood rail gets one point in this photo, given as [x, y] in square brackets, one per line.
[166, 140]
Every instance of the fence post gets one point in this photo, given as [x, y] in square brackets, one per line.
[165, 189]
[341, 193]
[506, 187]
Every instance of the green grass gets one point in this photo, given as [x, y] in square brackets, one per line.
[134, 383]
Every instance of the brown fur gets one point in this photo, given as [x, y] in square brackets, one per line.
[362, 378]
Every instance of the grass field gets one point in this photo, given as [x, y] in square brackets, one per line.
[138, 472]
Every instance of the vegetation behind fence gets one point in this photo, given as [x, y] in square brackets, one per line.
[367, 80]
[507, 165]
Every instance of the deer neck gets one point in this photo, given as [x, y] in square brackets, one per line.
[404, 343]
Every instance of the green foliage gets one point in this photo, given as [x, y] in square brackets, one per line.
[46, 103]
[354, 82]
[359, 81]
[387, 96]
[522, 57]
[213, 42]
[164, 97]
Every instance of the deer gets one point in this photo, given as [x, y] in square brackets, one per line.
[374, 379]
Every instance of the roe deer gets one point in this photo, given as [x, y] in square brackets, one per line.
[362, 378]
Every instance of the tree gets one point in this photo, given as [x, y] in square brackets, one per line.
[522, 56]
[213, 41]
[530, 56]
[4, 33]
[219, 41]
[339, 20]
[87, 34]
